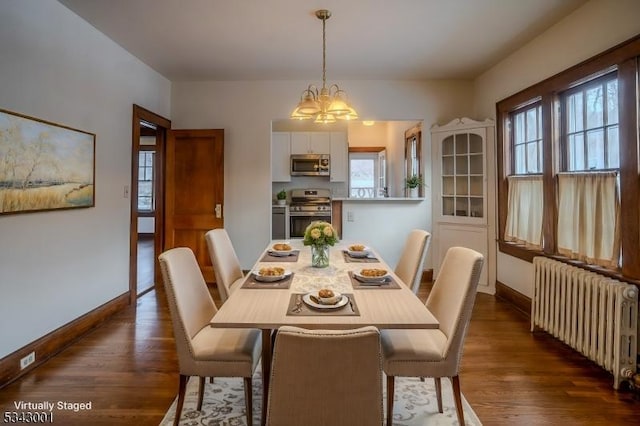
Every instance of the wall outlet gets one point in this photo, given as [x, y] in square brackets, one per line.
[125, 193]
[27, 360]
[350, 217]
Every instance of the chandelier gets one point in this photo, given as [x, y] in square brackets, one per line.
[327, 104]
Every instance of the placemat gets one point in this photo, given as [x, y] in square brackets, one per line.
[350, 259]
[293, 257]
[359, 285]
[297, 307]
[251, 282]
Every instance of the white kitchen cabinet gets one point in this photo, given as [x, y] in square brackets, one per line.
[460, 187]
[310, 143]
[280, 157]
[339, 157]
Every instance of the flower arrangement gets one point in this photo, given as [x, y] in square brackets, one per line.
[320, 233]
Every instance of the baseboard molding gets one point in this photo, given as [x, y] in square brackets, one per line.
[52, 343]
[517, 299]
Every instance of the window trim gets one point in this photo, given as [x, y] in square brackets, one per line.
[624, 57]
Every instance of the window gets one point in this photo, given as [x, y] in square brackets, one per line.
[562, 138]
[527, 140]
[591, 125]
[413, 154]
[367, 174]
[146, 193]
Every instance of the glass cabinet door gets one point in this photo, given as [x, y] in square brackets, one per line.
[463, 175]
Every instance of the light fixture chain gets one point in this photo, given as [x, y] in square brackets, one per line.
[324, 53]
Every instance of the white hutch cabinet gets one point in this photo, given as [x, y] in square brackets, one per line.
[460, 188]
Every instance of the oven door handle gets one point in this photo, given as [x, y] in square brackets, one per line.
[310, 214]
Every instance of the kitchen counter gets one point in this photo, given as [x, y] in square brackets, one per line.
[383, 199]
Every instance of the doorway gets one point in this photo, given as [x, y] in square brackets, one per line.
[147, 200]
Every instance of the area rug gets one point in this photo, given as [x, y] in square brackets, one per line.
[415, 404]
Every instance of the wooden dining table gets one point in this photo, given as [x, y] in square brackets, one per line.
[270, 305]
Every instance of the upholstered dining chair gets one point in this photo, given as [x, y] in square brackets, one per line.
[225, 262]
[326, 377]
[204, 351]
[436, 353]
[409, 267]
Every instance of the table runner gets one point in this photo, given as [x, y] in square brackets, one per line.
[350, 308]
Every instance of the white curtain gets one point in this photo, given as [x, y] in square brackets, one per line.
[589, 217]
[524, 212]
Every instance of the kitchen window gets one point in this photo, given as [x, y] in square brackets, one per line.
[568, 132]
[367, 172]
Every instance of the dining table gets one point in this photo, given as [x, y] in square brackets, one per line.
[292, 298]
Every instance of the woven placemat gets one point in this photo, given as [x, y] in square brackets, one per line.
[350, 259]
[268, 257]
[359, 285]
[297, 307]
[251, 282]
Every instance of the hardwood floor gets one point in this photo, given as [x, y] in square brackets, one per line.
[127, 369]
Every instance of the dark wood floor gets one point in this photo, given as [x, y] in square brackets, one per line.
[127, 369]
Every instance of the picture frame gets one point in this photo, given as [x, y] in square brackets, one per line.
[44, 166]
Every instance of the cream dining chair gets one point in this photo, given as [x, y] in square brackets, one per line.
[225, 262]
[326, 377]
[436, 353]
[204, 351]
[414, 253]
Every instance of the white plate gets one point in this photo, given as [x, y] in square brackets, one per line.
[307, 299]
[280, 253]
[270, 278]
[377, 280]
[362, 253]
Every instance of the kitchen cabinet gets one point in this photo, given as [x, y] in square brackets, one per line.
[280, 157]
[310, 143]
[339, 157]
[280, 222]
[460, 180]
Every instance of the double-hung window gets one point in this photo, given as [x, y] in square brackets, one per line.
[146, 193]
[525, 199]
[588, 195]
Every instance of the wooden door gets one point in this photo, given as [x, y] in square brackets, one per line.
[194, 191]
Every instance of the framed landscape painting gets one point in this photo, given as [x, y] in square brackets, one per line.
[44, 166]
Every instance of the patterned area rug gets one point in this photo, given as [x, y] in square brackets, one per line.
[415, 404]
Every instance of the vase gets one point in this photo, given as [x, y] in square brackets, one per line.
[320, 256]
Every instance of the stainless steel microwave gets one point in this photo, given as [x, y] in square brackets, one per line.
[310, 165]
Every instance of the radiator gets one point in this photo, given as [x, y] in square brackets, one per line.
[594, 314]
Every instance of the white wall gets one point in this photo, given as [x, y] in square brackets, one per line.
[57, 266]
[247, 126]
[591, 29]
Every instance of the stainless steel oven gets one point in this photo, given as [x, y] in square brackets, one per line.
[308, 205]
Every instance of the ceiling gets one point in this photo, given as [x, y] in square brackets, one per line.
[196, 40]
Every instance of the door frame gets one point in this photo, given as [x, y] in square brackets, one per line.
[162, 126]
